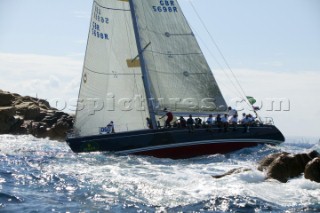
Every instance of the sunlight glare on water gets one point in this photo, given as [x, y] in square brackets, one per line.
[49, 174]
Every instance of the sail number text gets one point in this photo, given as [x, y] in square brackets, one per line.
[165, 6]
[98, 24]
[96, 31]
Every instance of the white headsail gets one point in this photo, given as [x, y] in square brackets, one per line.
[111, 87]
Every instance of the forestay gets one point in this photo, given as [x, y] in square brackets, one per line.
[179, 75]
[111, 87]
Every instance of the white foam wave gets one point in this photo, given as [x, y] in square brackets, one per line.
[152, 181]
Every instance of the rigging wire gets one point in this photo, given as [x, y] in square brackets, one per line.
[218, 63]
[220, 52]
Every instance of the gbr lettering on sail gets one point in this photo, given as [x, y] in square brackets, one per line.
[165, 6]
[97, 25]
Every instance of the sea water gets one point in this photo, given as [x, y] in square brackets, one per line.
[40, 175]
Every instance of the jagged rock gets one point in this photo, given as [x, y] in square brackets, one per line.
[59, 130]
[60, 114]
[29, 115]
[33, 112]
[26, 127]
[38, 129]
[29, 99]
[44, 104]
[6, 119]
[42, 115]
[50, 120]
[312, 170]
[6, 99]
[51, 112]
[16, 125]
[29, 110]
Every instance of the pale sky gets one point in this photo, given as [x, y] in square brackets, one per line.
[272, 47]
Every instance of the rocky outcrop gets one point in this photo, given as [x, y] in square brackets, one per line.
[283, 166]
[29, 115]
[312, 170]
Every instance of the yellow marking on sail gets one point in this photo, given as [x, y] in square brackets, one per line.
[124, 0]
[133, 63]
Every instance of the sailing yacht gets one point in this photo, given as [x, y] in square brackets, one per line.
[141, 58]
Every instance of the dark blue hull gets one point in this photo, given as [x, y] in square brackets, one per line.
[177, 143]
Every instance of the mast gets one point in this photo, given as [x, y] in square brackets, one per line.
[145, 76]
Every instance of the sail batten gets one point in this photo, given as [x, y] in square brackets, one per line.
[111, 8]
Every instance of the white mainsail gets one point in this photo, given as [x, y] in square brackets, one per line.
[180, 77]
[111, 87]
